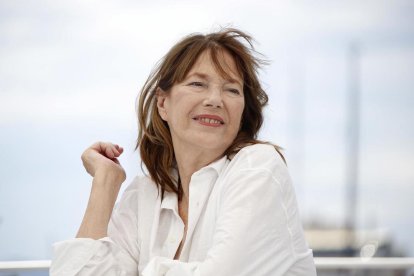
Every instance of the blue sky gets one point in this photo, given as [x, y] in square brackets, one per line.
[70, 72]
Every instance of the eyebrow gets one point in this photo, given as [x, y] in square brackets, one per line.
[206, 77]
[200, 75]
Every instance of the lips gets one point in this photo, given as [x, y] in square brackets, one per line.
[209, 119]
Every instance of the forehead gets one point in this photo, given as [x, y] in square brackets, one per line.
[217, 62]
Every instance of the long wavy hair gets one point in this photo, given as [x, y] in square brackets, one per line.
[154, 137]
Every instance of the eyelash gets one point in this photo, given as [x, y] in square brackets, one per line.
[234, 91]
[197, 84]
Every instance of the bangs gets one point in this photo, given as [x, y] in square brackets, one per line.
[222, 67]
[216, 54]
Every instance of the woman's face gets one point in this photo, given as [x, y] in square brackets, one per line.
[204, 111]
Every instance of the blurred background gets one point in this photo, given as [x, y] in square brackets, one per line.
[340, 84]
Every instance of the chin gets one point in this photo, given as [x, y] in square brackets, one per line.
[213, 144]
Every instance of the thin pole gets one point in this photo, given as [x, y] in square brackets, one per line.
[352, 137]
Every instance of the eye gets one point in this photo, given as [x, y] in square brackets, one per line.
[196, 84]
[234, 91]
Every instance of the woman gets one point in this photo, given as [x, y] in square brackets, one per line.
[216, 201]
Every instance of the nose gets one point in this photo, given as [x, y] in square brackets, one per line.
[213, 98]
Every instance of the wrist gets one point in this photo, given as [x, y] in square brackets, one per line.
[109, 174]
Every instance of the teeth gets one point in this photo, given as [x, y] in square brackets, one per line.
[209, 121]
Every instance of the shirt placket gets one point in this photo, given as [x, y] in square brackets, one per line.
[200, 189]
[175, 234]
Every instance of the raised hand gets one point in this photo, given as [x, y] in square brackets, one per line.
[102, 158]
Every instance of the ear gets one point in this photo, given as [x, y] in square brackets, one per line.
[161, 106]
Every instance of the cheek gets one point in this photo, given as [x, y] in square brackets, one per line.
[237, 113]
[179, 112]
[239, 110]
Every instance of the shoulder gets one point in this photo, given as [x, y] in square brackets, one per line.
[258, 166]
[258, 156]
[257, 170]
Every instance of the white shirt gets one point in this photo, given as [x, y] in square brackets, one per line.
[243, 220]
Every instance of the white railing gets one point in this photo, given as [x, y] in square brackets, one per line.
[363, 263]
[328, 263]
[24, 265]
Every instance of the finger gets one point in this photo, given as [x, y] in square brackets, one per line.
[108, 149]
[118, 148]
[110, 152]
[116, 161]
[117, 151]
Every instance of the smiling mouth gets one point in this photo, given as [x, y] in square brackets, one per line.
[209, 120]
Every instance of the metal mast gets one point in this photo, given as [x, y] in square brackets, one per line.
[353, 110]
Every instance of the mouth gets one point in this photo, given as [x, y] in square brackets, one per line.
[209, 120]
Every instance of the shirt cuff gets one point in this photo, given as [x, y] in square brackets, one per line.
[70, 256]
[163, 266]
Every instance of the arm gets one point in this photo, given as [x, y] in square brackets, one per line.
[100, 161]
[105, 188]
[93, 252]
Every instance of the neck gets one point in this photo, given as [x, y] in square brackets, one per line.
[191, 160]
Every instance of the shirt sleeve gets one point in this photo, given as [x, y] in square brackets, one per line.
[258, 230]
[116, 254]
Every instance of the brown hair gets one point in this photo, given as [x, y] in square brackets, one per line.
[154, 138]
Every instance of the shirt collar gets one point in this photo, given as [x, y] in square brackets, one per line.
[216, 165]
[170, 200]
